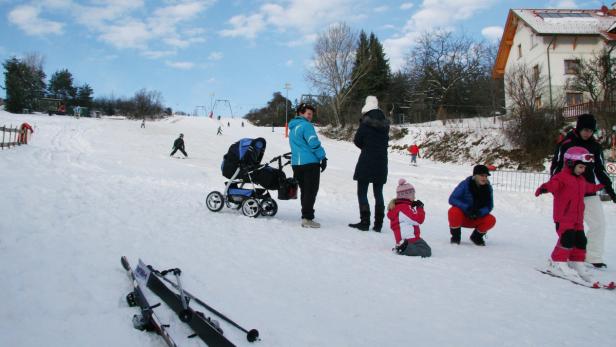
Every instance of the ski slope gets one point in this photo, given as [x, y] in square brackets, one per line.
[87, 191]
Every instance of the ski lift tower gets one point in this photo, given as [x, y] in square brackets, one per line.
[223, 101]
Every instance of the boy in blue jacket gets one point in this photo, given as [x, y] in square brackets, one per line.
[471, 203]
[307, 160]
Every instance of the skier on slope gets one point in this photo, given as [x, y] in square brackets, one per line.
[405, 215]
[569, 188]
[414, 150]
[582, 136]
[178, 144]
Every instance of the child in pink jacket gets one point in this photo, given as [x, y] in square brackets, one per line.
[569, 187]
[405, 215]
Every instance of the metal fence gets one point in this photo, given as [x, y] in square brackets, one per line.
[522, 181]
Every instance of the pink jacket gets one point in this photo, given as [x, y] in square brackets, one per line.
[404, 220]
[569, 191]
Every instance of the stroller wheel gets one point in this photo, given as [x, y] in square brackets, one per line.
[269, 207]
[215, 201]
[251, 208]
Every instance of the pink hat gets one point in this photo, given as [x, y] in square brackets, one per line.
[405, 190]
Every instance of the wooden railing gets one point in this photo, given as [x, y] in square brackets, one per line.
[588, 107]
[11, 136]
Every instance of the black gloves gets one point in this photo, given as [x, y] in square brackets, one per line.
[417, 203]
[401, 246]
[323, 164]
[473, 214]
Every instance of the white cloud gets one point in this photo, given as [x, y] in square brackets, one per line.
[430, 15]
[304, 40]
[562, 4]
[305, 16]
[289, 62]
[214, 56]
[157, 54]
[180, 65]
[407, 6]
[381, 8]
[131, 34]
[244, 26]
[28, 19]
[493, 33]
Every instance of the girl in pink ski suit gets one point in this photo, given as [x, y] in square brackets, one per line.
[569, 187]
[405, 215]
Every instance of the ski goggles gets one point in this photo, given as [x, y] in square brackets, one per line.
[584, 158]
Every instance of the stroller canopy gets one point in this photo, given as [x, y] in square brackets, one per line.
[246, 154]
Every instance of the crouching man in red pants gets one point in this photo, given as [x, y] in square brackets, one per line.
[471, 203]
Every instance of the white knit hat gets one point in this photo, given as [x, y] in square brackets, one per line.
[371, 104]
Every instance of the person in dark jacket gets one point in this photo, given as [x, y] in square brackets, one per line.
[178, 144]
[371, 137]
[471, 203]
[582, 136]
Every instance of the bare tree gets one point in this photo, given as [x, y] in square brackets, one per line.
[524, 87]
[332, 72]
[597, 75]
[147, 103]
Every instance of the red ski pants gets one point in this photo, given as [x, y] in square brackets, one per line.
[457, 219]
[571, 245]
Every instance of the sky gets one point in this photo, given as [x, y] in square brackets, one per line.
[198, 51]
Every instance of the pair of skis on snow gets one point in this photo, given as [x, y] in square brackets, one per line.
[206, 328]
[580, 282]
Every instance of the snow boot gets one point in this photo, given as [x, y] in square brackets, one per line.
[309, 223]
[477, 238]
[364, 215]
[379, 214]
[455, 235]
[562, 269]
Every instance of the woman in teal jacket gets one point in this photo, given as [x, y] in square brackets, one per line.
[307, 160]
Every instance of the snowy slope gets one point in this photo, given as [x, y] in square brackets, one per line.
[87, 191]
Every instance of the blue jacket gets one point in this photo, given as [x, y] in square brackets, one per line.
[463, 198]
[305, 145]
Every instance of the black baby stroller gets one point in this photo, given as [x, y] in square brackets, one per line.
[242, 166]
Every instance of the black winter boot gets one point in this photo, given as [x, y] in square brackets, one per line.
[455, 235]
[477, 238]
[379, 214]
[364, 215]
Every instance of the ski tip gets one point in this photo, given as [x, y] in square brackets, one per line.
[610, 286]
[596, 285]
[125, 264]
[253, 335]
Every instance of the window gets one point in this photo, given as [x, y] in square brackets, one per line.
[533, 40]
[574, 98]
[536, 72]
[538, 103]
[572, 66]
[519, 51]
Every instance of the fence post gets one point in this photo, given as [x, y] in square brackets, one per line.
[3, 128]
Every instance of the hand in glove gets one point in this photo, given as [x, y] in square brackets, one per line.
[541, 190]
[417, 203]
[401, 246]
[474, 214]
[323, 164]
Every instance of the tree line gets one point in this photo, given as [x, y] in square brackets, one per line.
[27, 90]
[445, 75]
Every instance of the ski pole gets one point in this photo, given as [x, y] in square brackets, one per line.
[185, 314]
[251, 335]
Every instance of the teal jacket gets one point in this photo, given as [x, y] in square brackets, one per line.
[305, 145]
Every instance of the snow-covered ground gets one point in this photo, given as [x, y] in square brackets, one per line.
[87, 191]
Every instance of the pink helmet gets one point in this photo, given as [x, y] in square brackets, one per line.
[578, 155]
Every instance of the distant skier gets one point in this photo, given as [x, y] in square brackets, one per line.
[569, 187]
[414, 150]
[471, 203]
[228, 124]
[405, 214]
[143, 123]
[178, 144]
[242, 124]
[219, 132]
[77, 111]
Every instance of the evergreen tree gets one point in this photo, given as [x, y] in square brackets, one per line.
[24, 82]
[61, 86]
[84, 96]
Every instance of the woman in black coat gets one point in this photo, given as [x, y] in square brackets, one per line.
[371, 137]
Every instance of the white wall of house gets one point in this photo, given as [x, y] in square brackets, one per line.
[531, 49]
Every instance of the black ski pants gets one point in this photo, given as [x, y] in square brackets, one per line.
[308, 177]
[181, 150]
